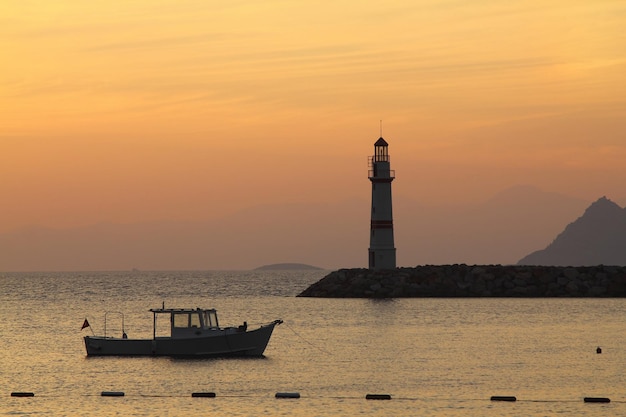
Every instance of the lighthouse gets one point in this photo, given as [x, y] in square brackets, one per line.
[382, 253]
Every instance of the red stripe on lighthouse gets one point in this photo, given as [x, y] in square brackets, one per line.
[382, 224]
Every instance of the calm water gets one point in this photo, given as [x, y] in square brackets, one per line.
[436, 357]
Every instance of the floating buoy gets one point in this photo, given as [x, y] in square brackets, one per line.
[503, 398]
[287, 395]
[378, 397]
[112, 394]
[597, 400]
[203, 394]
[22, 394]
[598, 349]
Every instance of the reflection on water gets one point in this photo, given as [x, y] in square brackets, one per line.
[436, 357]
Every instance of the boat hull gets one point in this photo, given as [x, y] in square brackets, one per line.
[223, 342]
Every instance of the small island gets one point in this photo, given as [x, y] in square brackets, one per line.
[288, 267]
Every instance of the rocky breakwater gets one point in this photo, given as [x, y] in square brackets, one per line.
[473, 281]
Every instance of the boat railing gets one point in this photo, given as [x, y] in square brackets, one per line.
[105, 322]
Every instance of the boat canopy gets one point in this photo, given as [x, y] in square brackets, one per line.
[185, 320]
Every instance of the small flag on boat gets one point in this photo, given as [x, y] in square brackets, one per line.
[85, 324]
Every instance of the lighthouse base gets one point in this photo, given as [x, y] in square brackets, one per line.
[380, 259]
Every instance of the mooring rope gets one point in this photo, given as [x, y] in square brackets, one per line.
[316, 347]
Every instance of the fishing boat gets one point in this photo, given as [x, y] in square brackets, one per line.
[192, 333]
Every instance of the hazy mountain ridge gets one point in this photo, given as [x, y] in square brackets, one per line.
[499, 230]
[598, 237]
[287, 267]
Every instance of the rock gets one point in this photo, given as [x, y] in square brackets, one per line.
[597, 291]
[562, 281]
[572, 287]
[570, 273]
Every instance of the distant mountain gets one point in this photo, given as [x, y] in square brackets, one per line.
[598, 237]
[500, 230]
[323, 234]
[287, 267]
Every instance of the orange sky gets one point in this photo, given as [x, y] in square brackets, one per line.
[140, 110]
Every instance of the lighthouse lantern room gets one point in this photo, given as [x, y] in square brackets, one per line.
[382, 253]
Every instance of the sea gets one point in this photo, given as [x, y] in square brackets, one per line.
[430, 356]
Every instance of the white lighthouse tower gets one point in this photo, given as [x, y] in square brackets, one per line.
[382, 253]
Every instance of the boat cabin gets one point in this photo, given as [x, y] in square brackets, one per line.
[188, 322]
